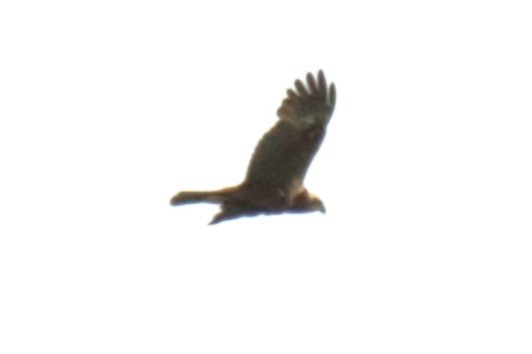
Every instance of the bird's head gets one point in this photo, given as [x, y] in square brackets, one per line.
[315, 204]
[306, 202]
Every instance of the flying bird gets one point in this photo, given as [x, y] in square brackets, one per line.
[274, 179]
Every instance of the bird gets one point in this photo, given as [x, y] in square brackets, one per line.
[274, 180]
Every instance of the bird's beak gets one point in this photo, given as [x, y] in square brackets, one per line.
[322, 209]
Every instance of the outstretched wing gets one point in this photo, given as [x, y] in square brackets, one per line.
[284, 153]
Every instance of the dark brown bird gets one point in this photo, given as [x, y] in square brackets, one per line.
[274, 180]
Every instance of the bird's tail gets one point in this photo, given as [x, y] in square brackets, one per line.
[189, 197]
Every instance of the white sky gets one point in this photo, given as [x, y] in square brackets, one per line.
[108, 108]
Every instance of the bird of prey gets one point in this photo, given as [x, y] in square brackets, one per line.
[274, 179]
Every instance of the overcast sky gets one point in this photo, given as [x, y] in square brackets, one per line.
[108, 108]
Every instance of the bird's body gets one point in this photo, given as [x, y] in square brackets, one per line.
[274, 180]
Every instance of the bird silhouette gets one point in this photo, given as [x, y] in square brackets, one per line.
[274, 179]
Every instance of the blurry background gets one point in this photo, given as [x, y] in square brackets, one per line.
[108, 108]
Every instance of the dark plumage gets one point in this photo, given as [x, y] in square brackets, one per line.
[274, 180]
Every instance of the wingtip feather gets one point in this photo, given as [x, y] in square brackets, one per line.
[332, 94]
